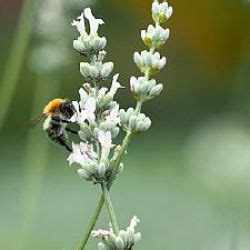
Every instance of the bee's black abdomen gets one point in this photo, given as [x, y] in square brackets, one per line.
[58, 135]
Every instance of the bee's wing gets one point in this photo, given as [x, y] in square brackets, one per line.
[32, 123]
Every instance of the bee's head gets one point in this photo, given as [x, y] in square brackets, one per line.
[67, 109]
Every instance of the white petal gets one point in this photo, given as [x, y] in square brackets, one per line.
[134, 222]
[114, 115]
[90, 105]
[169, 12]
[155, 8]
[76, 155]
[143, 34]
[80, 24]
[162, 62]
[100, 233]
[115, 85]
[105, 138]
[93, 22]
[102, 92]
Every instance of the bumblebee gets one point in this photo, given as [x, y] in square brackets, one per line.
[56, 117]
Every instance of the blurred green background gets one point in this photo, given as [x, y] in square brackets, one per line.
[187, 179]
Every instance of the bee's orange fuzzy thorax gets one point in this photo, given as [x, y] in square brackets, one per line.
[53, 106]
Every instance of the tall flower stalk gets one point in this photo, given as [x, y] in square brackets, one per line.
[100, 119]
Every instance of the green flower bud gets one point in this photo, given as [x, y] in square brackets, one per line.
[106, 70]
[85, 132]
[156, 90]
[101, 246]
[133, 121]
[94, 72]
[85, 69]
[102, 168]
[119, 243]
[84, 173]
[124, 236]
[137, 237]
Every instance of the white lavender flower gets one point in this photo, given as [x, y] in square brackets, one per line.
[93, 22]
[149, 62]
[161, 12]
[113, 116]
[115, 85]
[131, 121]
[85, 155]
[87, 112]
[82, 154]
[144, 89]
[105, 139]
[88, 42]
[155, 37]
[97, 72]
[126, 239]
[106, 96]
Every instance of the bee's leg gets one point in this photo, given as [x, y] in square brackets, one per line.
[59, 120]
[64, 144]
[72, 131]
[68, 148]
[65, 121]
[61, 141]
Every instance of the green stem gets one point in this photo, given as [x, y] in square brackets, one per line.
[110, 208]
[138, 107]
[92, 223]
[17, 54]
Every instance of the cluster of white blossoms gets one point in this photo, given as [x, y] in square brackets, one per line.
[99, 117]
[126, 239]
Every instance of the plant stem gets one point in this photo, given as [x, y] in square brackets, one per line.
[17, 53]
[138, 107]
[92, 223]
[110, 208]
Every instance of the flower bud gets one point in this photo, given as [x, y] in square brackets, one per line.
[137, 237]
[133, 121]
[124, 235]
[79, 46]
[94, 73]
[156, 90]
[144, 124]
[84, 173]
[101, 246]
[102, 169]
[85, 69]
[119, 243]
[149, 62]
[85, 132]
[154, 36]
[123, 241]
[106, 70]
[143, 89]
[161, 12]
[98, 44]
[138, 59]
[101, 55]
